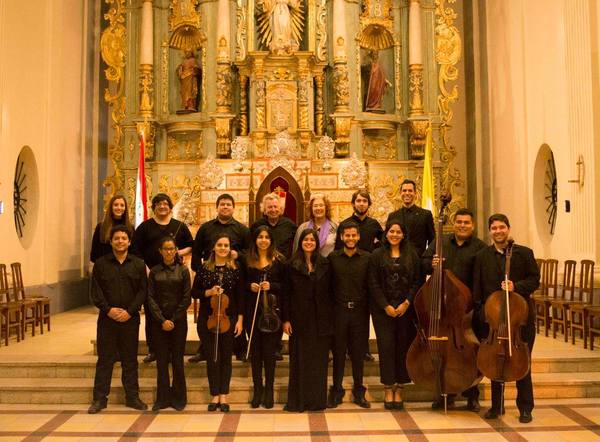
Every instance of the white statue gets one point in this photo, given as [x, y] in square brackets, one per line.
[280, 25]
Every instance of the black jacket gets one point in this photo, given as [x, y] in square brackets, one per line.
[419, 225]
[169, 290]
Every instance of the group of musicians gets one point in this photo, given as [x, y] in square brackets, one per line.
[319, 283]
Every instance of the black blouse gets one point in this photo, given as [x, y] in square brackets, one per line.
[232, 284]
[393, 280]
[274, 274]
[169, 290]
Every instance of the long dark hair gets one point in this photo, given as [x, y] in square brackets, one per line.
[253, 255]
[109, 221]
[298, 260]
[404, 243]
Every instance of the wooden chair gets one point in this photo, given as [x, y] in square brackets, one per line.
[578, 315]
[593, 314]
[549, 289]
[42, 303]
[559, 318]
[29, 306]
[10, 312]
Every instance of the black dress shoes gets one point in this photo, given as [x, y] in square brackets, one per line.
[136, 404]
[362, 402]
[150, 357]
[157, 407]
[225, 408]
[493, 413]
[257, 396]
[213, 406]
[198, 357]
[335, 397]
[398, 405]
[96, 407]
[473, 405]
[525, 417]
[369, 357]
[269, 400]
[438, 404]
[388, 405]
[278, 356]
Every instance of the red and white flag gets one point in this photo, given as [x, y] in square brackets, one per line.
[141, 206]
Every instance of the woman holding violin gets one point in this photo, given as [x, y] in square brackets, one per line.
[394, 278]
[220, 287]
[263, 269]
[308, 320]
[491, 275]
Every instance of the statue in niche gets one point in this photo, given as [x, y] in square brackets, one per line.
[377, 85]
[189, 73]
[280, 25]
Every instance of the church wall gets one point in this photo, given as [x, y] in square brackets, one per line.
[42, 106]
[539, 78]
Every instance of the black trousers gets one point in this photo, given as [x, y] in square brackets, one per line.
[262, 354]
[170, 347]
[351, 328]
[524, 386]
[394, 336]
[148, 327]
[117, 340]
[219, 372]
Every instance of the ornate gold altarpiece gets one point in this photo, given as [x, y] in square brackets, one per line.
[290, 94]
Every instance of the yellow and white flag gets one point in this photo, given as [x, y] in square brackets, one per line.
[428, 193]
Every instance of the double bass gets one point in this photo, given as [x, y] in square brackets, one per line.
[442, 358]
[503, 356]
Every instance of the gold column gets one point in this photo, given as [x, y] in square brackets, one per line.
[260, 93]
[224, 100]
[146, 75]
[319, 110]
[243, 105]
[418, 125]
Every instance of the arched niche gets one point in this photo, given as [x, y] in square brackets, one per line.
[280, 180]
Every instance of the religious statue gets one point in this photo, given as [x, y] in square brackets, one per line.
[188, 72]
[280, 25]
[377, 85]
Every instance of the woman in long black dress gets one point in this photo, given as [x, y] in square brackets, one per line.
[394, 278]
[308, 316]
[219, 274]
[116, 213]
[169, 289]
[263, 270]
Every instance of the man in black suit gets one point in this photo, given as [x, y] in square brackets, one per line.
[418, 221]
[524, 279]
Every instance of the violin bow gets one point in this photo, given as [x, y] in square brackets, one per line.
[254, 316]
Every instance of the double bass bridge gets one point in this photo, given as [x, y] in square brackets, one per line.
[438, 338]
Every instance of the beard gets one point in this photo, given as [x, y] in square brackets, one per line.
[361, 213]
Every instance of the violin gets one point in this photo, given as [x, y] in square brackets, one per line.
[442, 357]
[269, 321]
[218, 321]
[503, 356]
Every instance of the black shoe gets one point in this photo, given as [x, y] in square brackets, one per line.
[438, 404]
[388, 405]
[213, 406]
[136, 404]
[335, 397]
[156, 407]
[473, 404]
[369, 357]
[525, 417]
[241, 357]
[278, 356]
[269, 400]
[362, 402]
[179, 407]
[257, 396]
[398, 405]
[493, 413]
[225, 408]
[151, 357]
[96, 407]
[198, 357]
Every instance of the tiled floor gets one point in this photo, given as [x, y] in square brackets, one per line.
[567, 420]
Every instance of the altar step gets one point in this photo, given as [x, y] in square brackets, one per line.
[69, 380]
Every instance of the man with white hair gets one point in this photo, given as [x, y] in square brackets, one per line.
[282, 228]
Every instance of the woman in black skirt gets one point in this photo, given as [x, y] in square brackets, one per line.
[394, 278]
[308, 316]
[219, 274]
[263, 271]
[169, 289]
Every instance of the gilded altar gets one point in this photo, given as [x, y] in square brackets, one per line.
[336, 94]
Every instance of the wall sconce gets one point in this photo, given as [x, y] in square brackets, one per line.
[580, 172]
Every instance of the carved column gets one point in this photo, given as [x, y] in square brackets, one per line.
[146, 74]
[418, 125]
[243, 105]
[319, 109]
[223, 114]
[303, 90]
[341, 81]
[260, 91]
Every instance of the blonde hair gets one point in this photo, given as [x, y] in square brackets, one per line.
[210, 262]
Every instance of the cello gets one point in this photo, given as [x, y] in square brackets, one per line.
[503, 356]
[442, 357]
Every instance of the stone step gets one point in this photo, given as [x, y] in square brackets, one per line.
[84, 367]
[79, 390]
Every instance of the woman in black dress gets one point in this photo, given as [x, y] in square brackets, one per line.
[220, 274]
[308, 316]
[394, 278]
[116, 213]
[263, 270]
[169, 289]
